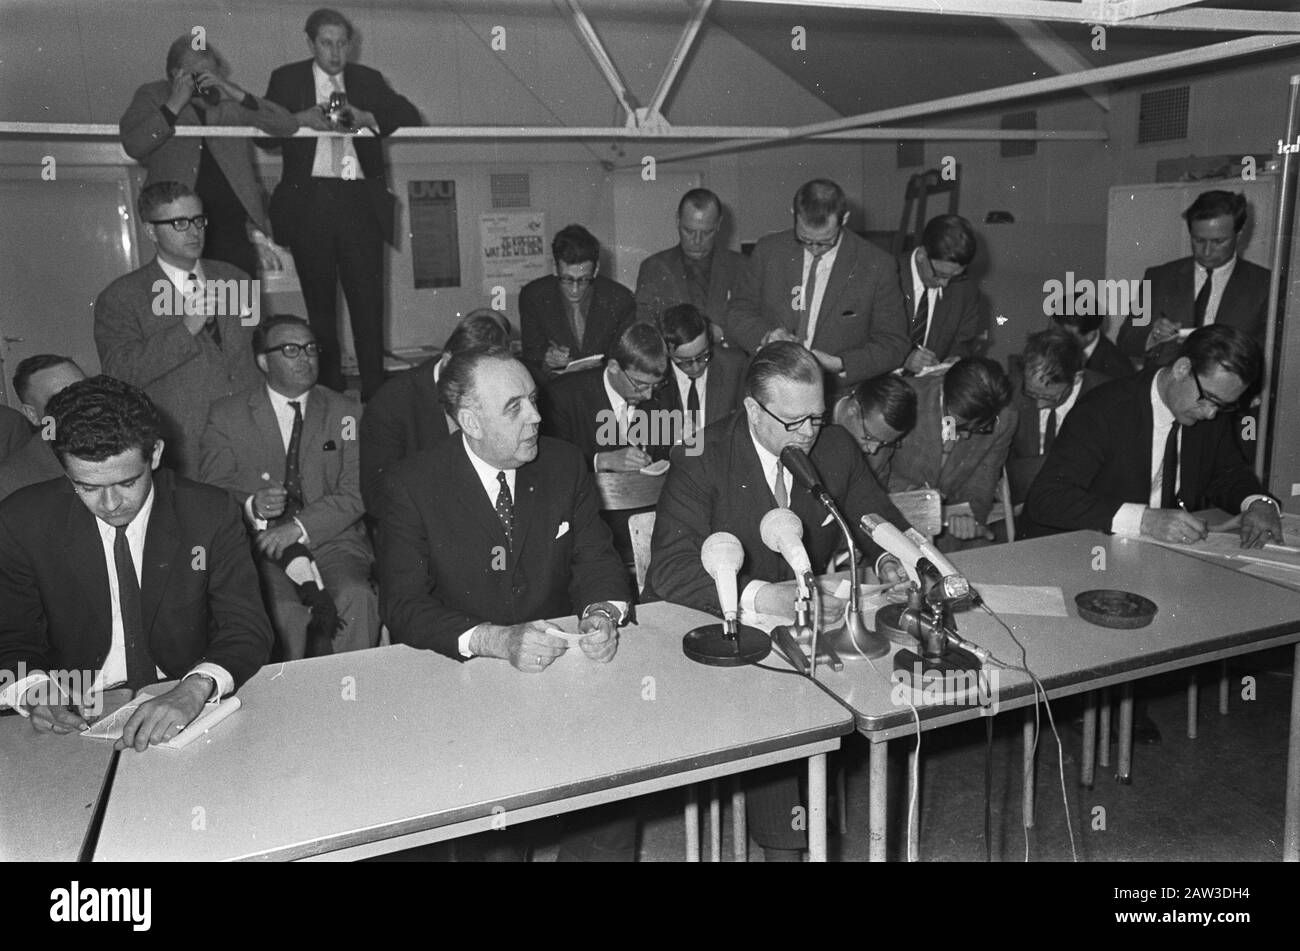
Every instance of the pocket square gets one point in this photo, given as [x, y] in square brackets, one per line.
[829, 519]
[849, 313]
[329, 446]
[562, 530]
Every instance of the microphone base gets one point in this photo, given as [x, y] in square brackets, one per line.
[889, 622]
[710, 645]
[950, 681]
[857, 643]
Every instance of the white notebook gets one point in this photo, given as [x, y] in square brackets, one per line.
[110, 727]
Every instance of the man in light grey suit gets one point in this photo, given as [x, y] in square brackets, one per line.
[287, 449]
[180, 328]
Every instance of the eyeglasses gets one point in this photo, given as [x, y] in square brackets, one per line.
[641, 386]
[291, 350]
[816, 246]
[686, 363]
[817, 421]
[1218, 404]
[183, 224]
[943, 279]
[1045, 396]
[871, 444]
[979, 428]
[576, 281]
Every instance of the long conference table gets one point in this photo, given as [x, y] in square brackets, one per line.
[360, 754]
[1206, 612]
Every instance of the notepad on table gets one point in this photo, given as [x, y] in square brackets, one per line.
[110, 727]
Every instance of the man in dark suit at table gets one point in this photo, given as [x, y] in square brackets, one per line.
[171, 330]
[332, 207]
[125, 572]
[707, 382]
[36, 379]
[1213, 286]
[287, 451]
[695, 271]
[729, 487]
[824, 287]
[405, 417]
[1100, 355]
[198, 91]
[491, 533]
[575, 312]
[944, 308]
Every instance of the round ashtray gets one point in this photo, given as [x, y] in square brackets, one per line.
[1119, 609]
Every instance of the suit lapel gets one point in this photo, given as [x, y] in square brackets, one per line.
[528, 507]
[268, 429]
[841, 274]
[1146, 429]
[159, 552]
[85, 557]
[480, 507]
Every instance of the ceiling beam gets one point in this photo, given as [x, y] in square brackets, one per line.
[1127, 9]
[1086, 11]
[683, 49]
[606, 65]
[1056, 53]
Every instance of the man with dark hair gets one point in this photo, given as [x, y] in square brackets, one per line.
[878, 413]
[707, 381]
[695, 271]
[1213, 286]
[944, 308]
[180, 327]
[1049, 379]
[148, 577]
[824, 287]
[496, 530]
[36, 379]
[287, 451]
[404, 417]
[332, 207]
[964, 428]
[729, 487]
[575, 312]
[1138, 455]
[1100, 355]
[198, 91]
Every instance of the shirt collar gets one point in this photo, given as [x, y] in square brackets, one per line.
[1223, 269]
[487, 474]
[684, 381]
[616, 402]
[767, 460]
[323, 78]
[135, 531]
[1162, 417]
[280, 402]
[829, 256]
[1089, 350]
[179, 276]
[916, 277]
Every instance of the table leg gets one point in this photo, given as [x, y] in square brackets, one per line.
[1089, 740]
[1193, 698]
[1224, 687]
[1027, 793]
[1103, 728]
[692, 824]
[739, 831]
[913, 818]
[1291, 835]
[817, 807]
[715, 822]
[1125, 765]
[878, 802]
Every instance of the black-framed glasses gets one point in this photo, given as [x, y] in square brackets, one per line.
[815, 246]
[182, 224]
[816, 421]
[979, 427]
[640, 385]
[292, 350]
[1211, 399]
[576, 281]
[871, 444]
[685, 363]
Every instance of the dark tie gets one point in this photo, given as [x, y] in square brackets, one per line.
[292, 462]
[1169, 468]
[697, 282]
[579, 323]
[1049, 435]
[919, 318]
[809, 292]
[140, 668]
[1203, 299]
[778, 488]
[506, 508]
[210, 328]
[693, 406]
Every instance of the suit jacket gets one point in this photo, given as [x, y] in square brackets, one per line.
[294, 87]
[958, 319]
[1244, 303]
[183, 374]
[723, 489]
[1102, 459]
[576, 409]
[54, 582]
[403, 418]
[972, 469]
[242, 441]
[661, 283]
[15, 431]
[1108, 360]
[151, 140]
[34, 462]
[861, 318]
[442, 546]
[544, 316]
[724, 386]
[1025, 460]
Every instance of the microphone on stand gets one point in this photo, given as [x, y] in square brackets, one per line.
[782, 532]
[730, 644]
[722, 555]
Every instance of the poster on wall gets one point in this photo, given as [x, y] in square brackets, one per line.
[435, 235]
[514, 249]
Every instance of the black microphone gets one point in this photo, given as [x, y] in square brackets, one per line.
[805, 473]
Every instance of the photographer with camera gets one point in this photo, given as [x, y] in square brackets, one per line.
[198, 91]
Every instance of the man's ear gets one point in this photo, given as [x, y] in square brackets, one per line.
[28, 410]
[157, 454]
[752, 409]
[1181, 368]
[468, 421]
[844, 219]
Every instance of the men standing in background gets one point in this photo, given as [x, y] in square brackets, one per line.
[332, 207]
[197, 91]
[943, 307]
[36, 379]
[696, 271]
[575, 312]
[824, 287]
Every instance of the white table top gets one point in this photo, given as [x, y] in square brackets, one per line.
[428, 742]
[1205, 612]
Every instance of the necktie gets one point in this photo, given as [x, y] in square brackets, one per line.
[778, 488]
[1203, 299]
[1049, 435]
[579, 324]
[697, 282]
[292, 475]
[693, 406]
[809, 292]
[506, 508]
[1169, 471]
[140, 668]
[195, 298]
[920, 318]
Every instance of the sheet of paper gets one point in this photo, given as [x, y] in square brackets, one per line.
[1032, 600]
[937, 368]
[1228, 545]
[1287, 576]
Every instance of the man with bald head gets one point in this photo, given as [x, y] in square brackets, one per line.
[36, 380]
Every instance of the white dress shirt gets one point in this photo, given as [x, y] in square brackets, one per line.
[284, 419]
[684, 388]
[1220, 278]
[824, 266]
[1061, 412]
[934, 295]
[191, 295]
[323, 164]
[770, 464]
[622, 413]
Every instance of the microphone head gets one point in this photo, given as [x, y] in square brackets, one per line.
[801, 467]
[779, 527]
[722, 551]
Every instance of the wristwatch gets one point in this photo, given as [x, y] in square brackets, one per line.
[603, 608]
